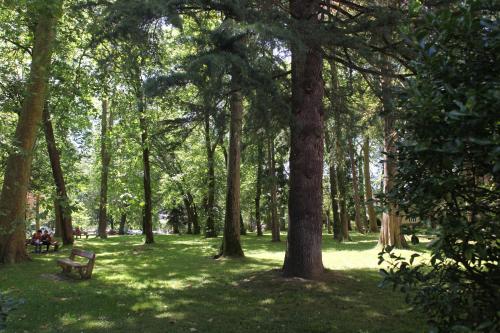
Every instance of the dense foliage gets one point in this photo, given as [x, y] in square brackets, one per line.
[449, 166]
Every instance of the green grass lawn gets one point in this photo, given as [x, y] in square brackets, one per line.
[175, 286]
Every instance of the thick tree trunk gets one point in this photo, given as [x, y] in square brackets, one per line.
[105, 161]
[123, 220]
[355, 187]
[231, 246]
[18, 169]
[275, 226]
[210, 229]
[147, 217]
[62, 201]
[390, 231]
[303, 257]
[258, 187]
[372, 217]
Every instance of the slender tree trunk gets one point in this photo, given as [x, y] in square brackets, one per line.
[275, 226]
[231, 246]
[372, 217]
[123, 220]
[258, 189]
[364, 219]
[343, 224]
[303, 257]
[37, 212]
[105, 161]
[18, 169]
[210, 229]
[355, 187]
[66, 227]
[147, 218]
[337, 223]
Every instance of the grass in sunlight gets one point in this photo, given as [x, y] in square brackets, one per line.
[175, 286]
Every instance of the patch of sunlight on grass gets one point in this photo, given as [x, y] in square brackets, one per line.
[147, 305]
[100, 323]
[267, 301]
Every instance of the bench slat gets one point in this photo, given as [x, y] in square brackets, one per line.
[69, 262]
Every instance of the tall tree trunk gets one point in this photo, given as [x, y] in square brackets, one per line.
[343, 234]
[390, 231]
[231, 246]
[372, 217]
[147, 217]
[258, 187]
[37, 212]
[62, 201]
[105, 161]
[210, 229]
[275, 226]
[18, 169]
[355, 187]
[123, 220]
[364, 220]
[303, 257]
[336, 223]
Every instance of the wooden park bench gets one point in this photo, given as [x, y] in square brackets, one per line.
[84, 269]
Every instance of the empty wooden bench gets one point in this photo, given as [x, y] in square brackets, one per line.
[84, 269]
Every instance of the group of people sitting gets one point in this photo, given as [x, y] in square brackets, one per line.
[40, 239]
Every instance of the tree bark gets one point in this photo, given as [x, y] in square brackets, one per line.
[258, 187]
[372, 217]
[105, 161]
[62, 201]
[18, 169]
[303, 257]
[147, 217]
[355, 187]
[275, 226]
[231, 246]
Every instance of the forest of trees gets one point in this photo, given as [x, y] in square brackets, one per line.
[218, 118]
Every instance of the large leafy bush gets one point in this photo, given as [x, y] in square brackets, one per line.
[449, 165]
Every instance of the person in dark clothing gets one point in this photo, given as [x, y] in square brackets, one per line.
[46, 240]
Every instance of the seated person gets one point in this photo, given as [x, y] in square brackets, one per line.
[78, 232]
[46, 239]
[36, 240]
